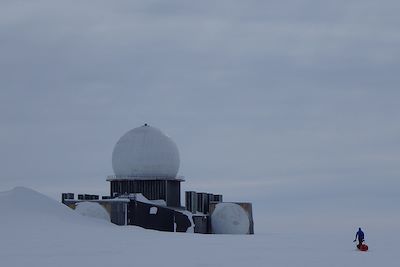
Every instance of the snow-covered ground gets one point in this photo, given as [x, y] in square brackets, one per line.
[38, 231]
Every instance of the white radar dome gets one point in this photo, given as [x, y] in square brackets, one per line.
[145, 152]
[229, 218]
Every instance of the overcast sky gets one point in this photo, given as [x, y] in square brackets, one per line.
[263, 98]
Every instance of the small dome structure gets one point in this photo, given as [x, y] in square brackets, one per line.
[230, 218]
[145, 152]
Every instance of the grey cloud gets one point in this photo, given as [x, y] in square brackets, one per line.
[300, 92]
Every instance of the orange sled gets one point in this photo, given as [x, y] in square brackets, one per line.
[362, 247]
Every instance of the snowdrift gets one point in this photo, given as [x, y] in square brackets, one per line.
[38, 231]
[24, 206]
[93, 210]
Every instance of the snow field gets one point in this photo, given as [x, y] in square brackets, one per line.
[38, 231]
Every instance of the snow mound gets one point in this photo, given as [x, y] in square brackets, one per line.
[26, 207]
[25, 200]
[92, 209]
[230, 218]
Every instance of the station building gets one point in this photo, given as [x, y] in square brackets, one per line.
[145, 190]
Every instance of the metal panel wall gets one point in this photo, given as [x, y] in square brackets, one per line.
[202, 202]
[218, 198]
[201, 224]
[151, 189]
[174, 193]
[191, 201]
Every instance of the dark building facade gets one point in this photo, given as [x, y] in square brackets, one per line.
[145, 190]
[137, 209]
[126, 211]
[168, 190]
